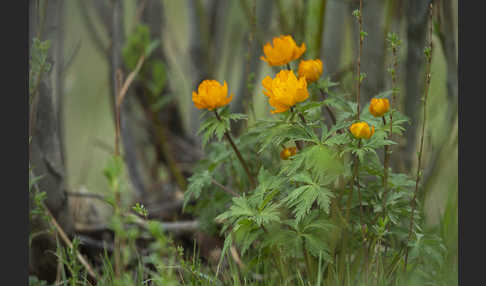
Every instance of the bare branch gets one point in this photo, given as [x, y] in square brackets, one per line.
[66, 240]
[224, 188]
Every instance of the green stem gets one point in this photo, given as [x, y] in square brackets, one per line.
[277, 259]
[422, 135]
[358, 72]
[308, 262]
[238, 154]
[331, 114]
[298, 143]
[385, 171]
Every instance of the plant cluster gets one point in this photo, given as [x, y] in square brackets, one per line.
[306, 191]
[302, 198]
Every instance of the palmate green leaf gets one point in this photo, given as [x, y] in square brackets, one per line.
[266, 183]
[210, 127]
[213, 127]
[197, 182]
[244, 209]
[302, 198]
[240, 208]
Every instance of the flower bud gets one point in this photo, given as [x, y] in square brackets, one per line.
[288, 152]
[379, 106]
[310, 69]
[362, 130]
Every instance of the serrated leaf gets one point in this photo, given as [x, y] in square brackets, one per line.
[197, 182]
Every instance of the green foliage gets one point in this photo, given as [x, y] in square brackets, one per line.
[306, 222]
[303, 207]
[212, 126]
[196, 184]
[250, 211]
[68, 257]
[310, 232]
[303, 197]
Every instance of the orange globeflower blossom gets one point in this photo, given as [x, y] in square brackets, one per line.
[311, 69]
[285, 90]
[288, 152]
[283, 51]
[211, 94]
[362, 130]
[379, 106]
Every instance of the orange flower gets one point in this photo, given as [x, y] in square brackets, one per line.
[362, 130]
[283, 51]
[379, 106]
[285, 90]
[211, 94]
[288, 152]
[310, 69]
